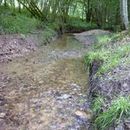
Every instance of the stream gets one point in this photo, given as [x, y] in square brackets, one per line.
[46, 90]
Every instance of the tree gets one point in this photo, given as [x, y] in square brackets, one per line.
[124, 13]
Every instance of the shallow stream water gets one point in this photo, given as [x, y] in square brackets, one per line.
[46, 90]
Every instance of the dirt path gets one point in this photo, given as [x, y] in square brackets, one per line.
[44, 90]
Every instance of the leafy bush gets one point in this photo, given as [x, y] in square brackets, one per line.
[53, 26]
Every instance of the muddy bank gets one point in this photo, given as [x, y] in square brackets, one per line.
[18, 45]
[111, 85]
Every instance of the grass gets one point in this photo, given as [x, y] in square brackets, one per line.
[18, 24]
[97, 104]
[119, 109]
[111, 55]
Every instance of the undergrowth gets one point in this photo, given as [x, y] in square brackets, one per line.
[118, 110]
[97, 104]
[14, 22]
[17, 24]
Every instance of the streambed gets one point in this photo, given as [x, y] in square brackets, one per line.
[46, 90]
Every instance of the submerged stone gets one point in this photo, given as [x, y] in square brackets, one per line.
[64, 96]
[83, 115]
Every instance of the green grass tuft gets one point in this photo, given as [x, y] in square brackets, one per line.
[119, 109]
[97, 105]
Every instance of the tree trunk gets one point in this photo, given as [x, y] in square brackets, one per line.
[124, 13]
[5, 3]
[19, 7]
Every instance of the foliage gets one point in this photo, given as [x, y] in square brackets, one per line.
[79, 25]
[120, 108]
[53, 25]
[17, 23]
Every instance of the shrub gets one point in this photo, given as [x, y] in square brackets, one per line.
[79, 25]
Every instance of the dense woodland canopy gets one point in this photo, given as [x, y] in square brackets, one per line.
[104, 13]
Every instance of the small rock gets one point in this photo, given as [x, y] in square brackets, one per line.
[127, 124]
[2, 115]
[2, 124]
[64, 96]
[120, 127]
[41, 82]
[83, 115]
[2, 101]
[125, 85]
[75, 85]
[57, 94]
